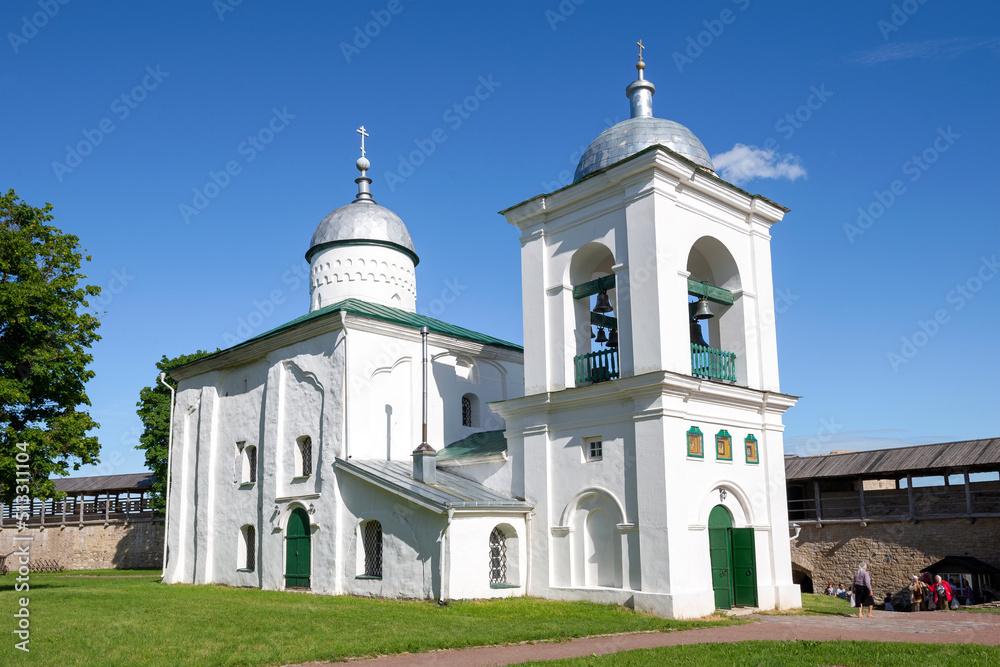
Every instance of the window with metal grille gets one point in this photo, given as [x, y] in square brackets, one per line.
[371, 535]
[251, 454]
[595, 450]
[306, 449]
[466, 411]
[498, 557]
[251, 548]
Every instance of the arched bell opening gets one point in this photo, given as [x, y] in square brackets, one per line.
[595, 306]
[715, 313]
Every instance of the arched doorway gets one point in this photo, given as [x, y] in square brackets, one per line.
[297, 550]
[733, 561]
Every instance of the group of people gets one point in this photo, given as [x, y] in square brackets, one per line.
[925, 594]
[928, 595]
[839, 591]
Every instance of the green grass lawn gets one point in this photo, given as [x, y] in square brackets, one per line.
[779, 654]
[138, 621]
[819, 605]
[826, 605]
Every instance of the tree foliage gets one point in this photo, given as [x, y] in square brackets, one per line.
[154, 411]
[45, 335]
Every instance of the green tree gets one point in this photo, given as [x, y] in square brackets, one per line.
[154, 411]
[45, 335]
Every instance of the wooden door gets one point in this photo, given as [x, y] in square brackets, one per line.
[744, 567]
[297, 550]
[719, 524]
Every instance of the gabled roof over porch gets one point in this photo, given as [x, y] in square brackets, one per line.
[449, 493]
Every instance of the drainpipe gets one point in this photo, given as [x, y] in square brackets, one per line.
[343, 437]
[527, 552]
[797, 528]
[170, 445]
[444, 536]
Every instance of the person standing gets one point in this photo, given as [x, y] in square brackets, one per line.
[862, 585]
[918, 591]
[942, 593]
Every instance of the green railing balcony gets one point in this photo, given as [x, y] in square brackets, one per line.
[599, 366]
[707, 362]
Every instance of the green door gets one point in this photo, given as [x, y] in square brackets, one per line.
[744, 567]
[719, 524]
[297, 550]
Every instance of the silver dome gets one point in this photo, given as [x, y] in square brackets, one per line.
[631, 136]
[362, 221]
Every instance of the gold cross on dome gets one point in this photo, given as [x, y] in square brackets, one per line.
[641, 47]
[363, 133]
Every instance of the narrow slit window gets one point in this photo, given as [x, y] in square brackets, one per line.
[305, 451]
[466, 411]
[371, 535]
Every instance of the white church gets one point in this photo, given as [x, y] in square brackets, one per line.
[631, 452]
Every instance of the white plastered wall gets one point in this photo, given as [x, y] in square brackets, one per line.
[374, 273]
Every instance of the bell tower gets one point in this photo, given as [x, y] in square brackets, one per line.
[649, 338]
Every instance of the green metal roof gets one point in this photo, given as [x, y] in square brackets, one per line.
[477, 444]
[376, 312]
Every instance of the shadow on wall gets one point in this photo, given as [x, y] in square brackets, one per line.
[141, 546]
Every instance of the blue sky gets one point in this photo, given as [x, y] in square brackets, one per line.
[194, 147]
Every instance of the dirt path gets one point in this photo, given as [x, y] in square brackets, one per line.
[921, 627]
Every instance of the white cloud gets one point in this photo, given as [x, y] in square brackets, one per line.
[930, 49]
[743, 163]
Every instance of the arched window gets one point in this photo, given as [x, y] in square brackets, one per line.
[503, 563]
[247, 557]
[371, 537]
[247, 463]
[498, 557]
[305, 456]
[470, 410]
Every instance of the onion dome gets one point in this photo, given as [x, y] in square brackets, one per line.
[362, 251]
[641, 131]
[362, 221]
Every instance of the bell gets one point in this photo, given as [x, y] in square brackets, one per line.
[696, 336]
[601, 338]
[613, 339]
[702, 312]
[603, 305]
[592, 334]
